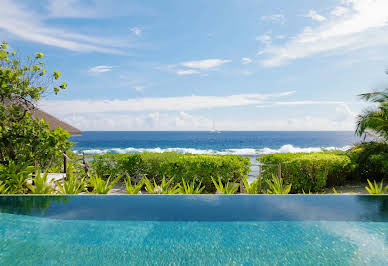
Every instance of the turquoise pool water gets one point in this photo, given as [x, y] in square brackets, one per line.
[194, 230]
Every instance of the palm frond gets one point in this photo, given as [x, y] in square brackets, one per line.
[374, 121]
[376, 96]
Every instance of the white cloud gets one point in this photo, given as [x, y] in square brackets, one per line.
[315, 16]
[205, 64]
[194, 67]
[139, 88]
[70, 9]
[339, 11]
[290, 103]
[137, 31]
[183, 103]
[310, 123]
[100, 69]
[343, 118]
[173, 113]
[246, 60]
[276, 18]
[182, 72]
[28, 25]
[364, 26]
[185, 121]
[182, 120]
[149, 121]
[342, 109]
[265, 39]
[343, 112]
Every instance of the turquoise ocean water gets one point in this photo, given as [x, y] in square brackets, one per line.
[247, 143]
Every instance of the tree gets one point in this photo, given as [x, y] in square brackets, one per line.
[374, 121]
[24, 138]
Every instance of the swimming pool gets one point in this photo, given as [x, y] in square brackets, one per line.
[195, 230]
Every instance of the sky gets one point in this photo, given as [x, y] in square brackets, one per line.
[186, 65]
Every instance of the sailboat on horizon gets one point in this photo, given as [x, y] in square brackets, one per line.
[214, 130]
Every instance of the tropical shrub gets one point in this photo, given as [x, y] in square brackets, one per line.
[71, 184]
[370, 159]
[307, 171]
[190, 188]
[309, 192]
[23, 138]
[40, 184]
[277, 186]
[102, 186]
[228, 188]
[164, 188]
[135, 188]
[254, 187]
[3, 188]
[174, 166]
[375, 188]
[14, 177]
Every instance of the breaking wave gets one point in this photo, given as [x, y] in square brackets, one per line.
[245, 151]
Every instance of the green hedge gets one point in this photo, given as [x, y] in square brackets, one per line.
[308, 171]
[370, 161]
[173, 165]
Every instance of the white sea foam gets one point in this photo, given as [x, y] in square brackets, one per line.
[291, 149]
[245, 152]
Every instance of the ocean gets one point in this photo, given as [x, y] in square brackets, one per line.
[246, 143]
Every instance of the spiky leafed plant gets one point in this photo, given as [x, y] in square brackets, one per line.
[227, 188]
[135, 188]
[41, 184]
[101, 186]
[72, 184]
[277, 186]
[374, 121]
[3, 188]
[164, 188]
[376, 188]
[190, 188]
[254, 187]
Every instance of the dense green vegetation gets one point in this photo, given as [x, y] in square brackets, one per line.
[370, 160]
[315, 171]
[173, 165]
[308, 171]
[24, 139]
[25, 179]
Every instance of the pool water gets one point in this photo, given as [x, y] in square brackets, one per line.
[194, 230]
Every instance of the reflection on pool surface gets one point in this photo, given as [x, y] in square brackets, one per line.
[206, 229]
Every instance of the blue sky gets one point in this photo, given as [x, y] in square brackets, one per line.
[180, 65]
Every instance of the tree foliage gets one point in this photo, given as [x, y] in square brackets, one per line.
[370, 160]
[374, 120]
[24, 138]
